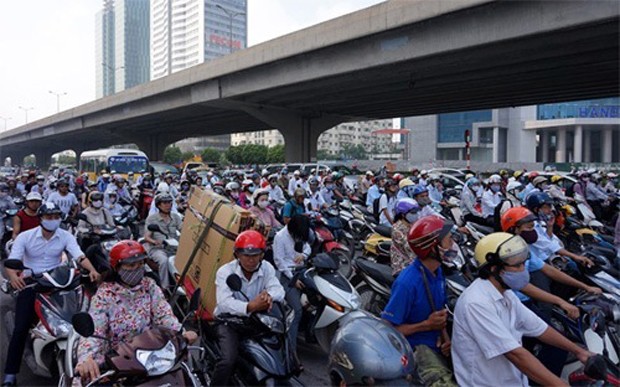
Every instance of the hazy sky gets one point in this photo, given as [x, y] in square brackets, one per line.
[49, 45]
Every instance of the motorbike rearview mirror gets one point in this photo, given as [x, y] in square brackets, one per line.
[82, 216]
[234, 282]
[596, 367]
[83, 324]
[14, 264]
[195, 300]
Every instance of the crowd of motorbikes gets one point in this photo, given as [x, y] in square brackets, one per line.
[347, 278]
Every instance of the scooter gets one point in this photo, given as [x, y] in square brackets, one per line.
[171, 244]
[59, 295]
[265, 357]
[159, 356]
[327, 296]
[325, 242]
[7, 219]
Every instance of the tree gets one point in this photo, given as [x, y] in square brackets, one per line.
[173, 155]
[247, 154]
[354, 152]
[210, 155]
[186, 156]
[275, 154]
[30, 161]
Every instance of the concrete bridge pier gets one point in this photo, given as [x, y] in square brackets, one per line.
[154, 145]
[43, 158]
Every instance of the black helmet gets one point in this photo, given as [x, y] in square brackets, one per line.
[94, 196]
[48, 208]
[4, 187]
[163, 197]
[535, 200]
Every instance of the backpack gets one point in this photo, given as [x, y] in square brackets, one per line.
[375, 208]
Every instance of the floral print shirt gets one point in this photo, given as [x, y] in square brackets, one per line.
[400, 252]
[120, 313]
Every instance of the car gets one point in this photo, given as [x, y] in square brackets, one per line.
[159, 168]
[8, 171]
[450, 181]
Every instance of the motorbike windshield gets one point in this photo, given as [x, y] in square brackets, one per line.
[65, 303]
[61, 275]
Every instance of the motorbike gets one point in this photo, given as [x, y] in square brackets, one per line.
[325, 242]
[158, 356]
[59, 295]
[7, 218]
[334, 221]
[171, 244]
[378, 244]
[146, 198]
[327, 297]
[265, 357]
[130, 212]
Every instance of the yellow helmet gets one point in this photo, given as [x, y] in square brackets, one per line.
[555, 179]
[404, 183]
[501, 247]
[517, 174]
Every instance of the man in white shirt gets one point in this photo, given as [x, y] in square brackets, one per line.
[258, 282]
[275, 192]
[294, 183]
[387, 202]
[65, 200]
[489, 322]
[314, 201]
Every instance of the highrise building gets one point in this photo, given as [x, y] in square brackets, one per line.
[122, 45]
[185, 33]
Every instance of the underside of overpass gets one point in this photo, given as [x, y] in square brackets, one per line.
[444, 64]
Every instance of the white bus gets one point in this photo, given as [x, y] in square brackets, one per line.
[121, 161]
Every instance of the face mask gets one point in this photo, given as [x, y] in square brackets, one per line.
[516, 280]
[234, 195]
[131, 277]
[411, 217]
[543, 217]
[530, 236]
[263, 204]
[330, 187]
[112, 199]
[544, 187]
[425, 201]
[40, 183]
[50, 225]
[495, 188]
[252, 189]
[97, 204]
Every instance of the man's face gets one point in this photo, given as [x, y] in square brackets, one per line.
[165, 206]
[546, 209]
[63, 188]
[423, 196]
[33, 204]
[249, 262]
[50, 217]
[299, 199]
[529, 226]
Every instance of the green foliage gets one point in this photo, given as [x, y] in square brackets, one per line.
[65, 160]
[325, 155]
[210, 155]
[275, 154]
[354, 152]
[173, 155]
[187, 156]
[248, 154]
[29, 161]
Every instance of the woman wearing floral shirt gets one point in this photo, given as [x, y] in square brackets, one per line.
[405, 214]
[123, 308]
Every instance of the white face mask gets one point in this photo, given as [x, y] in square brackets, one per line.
[263, 204]
[97, 204]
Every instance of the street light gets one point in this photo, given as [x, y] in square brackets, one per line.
[5, 120]
[25, 109]
[57, 94]
[231, 15]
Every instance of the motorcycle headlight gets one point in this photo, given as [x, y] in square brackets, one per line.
[272, 323]
[159, 361]
[54, 324]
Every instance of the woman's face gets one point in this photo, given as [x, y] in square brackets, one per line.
[132, 265]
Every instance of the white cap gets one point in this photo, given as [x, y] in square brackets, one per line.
[34, 196]
[296, 173]
[370, 173]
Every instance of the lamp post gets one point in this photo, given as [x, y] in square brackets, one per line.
[58, 94]
[231, 15]
[25, 109]
[5, 120]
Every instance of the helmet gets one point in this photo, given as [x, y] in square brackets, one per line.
[367, 350]
[162, 197]
[250, 242]
[62, 182]
[389, 183]
[163, 187]
[517, 174]
[4, 187]
[313, 181]
[533, 175]
[369, 173]
[299, 192]
[94, 196]
[273, 177]
[254, 176]
[258, 193]
[48, 208]
[337, 175]
[92, 183]
[555, 179]
[423, 172]
[418, 189]
[404, 183]
[397, 177]
[328, 179]
[513, 185]
[126, 251]
[611, 175]
[34, 196]
[500, 247]
[426, 233]
[265, 172]
[535, 200]
[405, 206]
[581, 174]
[40, 177]
[539, 180]
[515, 217]
[246, 183]
[596, 177]
[296, 173]
[503, 172]
[232, 186]
[495, 179]
[472, 181]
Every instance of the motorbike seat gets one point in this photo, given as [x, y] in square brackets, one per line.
[381, 273]
[486, 230]
[385, 231]
[384, 247]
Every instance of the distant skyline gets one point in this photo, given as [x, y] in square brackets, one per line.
[48, 47]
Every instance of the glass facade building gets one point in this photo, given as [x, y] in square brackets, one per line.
[451, 126]
[595, 108]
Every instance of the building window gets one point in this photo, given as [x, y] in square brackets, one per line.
[486, 135]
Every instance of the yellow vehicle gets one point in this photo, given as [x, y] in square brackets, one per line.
[120, 161]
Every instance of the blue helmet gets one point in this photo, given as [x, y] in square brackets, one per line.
[405, 206]
[472, 181]
[418, 189]
[535, 200]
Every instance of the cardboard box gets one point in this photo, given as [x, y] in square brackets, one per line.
[218, 222]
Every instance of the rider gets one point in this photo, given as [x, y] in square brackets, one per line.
[435, 189]
[6, 203]
[232, 191]
[405, 214]
[295, 206]
[315, 201]
[491, 197]
[469, 198]
[40, 249]
[261, 209]
[126, 306]
[39, 186]
[327, 192]
[169, 223]
[259, 282]
[374, 192]
[103, 181]
[96, 217]
[416, 305]
[295, 182]
[489, 322]
[27, 217]
[65, 200]
[387, 202]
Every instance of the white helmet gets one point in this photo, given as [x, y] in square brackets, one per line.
[34, 196]
[494, 179]
[163, 187]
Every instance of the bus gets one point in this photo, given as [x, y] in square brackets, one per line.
[120, 161]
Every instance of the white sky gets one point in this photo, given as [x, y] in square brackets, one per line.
[49, 45]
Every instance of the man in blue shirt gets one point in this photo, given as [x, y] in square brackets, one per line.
[416, 306]
[295, 206]
[374, 192]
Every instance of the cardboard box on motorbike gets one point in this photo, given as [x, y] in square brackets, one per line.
[223, 221]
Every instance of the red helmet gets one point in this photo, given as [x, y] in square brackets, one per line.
[426, 233]
[126, 251]
[533, 175]
[250, 242]
[515, 217]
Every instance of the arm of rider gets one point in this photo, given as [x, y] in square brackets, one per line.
[552, 337]
[533, 368]
[435, 321]
[15, 278]
[86, 264]
[261, 302]
[540, 295]
[585, 261]
[88, 369]
[149, 238]
[387, 215]
[559, 276]
[17, 226]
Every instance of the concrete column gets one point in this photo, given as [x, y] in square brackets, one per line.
[578, 144]
[496, 145]
[153, 145]
[544, 146]
[607, 140]
[587, 146]
[44, 159]
[560, 146]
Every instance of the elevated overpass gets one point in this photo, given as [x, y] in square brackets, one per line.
[398, 58]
